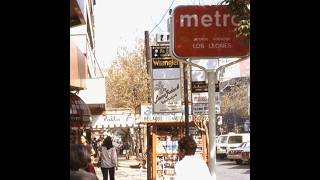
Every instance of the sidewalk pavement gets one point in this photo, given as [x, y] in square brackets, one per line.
[125, 172]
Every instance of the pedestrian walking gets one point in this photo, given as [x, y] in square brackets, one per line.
[190, 166]
[79, 162]
[95, 147]
[109, 159]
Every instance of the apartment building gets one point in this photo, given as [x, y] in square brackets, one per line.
[87, 90]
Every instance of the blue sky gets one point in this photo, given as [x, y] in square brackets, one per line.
[119, 23]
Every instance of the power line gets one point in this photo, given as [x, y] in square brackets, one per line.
[163, 16]
[160, 29]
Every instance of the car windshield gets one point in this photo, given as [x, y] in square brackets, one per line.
[223, 139]
[235, 139]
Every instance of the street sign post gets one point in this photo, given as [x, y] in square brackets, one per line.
[205, 32]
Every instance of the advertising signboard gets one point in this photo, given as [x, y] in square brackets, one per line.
[204, 32]
[166, 96]
[165, 81]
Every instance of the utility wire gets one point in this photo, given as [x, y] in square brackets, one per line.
[163, 16]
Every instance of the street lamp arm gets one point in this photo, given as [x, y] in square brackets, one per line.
[192, 64]
[232, 63]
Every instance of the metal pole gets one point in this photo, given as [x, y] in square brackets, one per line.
[147, 49]
[148, 59]
[212, 123]
[186, 102]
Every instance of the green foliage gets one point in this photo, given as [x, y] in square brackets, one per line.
[241, 9]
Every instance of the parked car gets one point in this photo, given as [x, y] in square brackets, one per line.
[245, 154]
[221, 146]
[235, 154]
[230, 141]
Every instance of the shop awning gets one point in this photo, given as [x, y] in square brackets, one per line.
[79, 111]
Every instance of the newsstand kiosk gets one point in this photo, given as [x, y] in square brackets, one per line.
[163, 147]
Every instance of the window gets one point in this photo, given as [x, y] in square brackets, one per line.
[235, 139]
[223, 139]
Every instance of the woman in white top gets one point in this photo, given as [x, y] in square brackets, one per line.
[109, 159]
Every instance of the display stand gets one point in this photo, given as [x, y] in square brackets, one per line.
[165, 137]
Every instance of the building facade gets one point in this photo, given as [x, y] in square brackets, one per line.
[86, 100]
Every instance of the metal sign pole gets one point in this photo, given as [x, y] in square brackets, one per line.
[212, 123]
[186, 102]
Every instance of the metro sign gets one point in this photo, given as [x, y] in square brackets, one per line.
[205, 32]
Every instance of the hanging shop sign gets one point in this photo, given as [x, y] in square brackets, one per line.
[199, 86]
[200, 97]
[168, 73]
[164, 63]
[148, 116]
[200, 108]
[160, 52]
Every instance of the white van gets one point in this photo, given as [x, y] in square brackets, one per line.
[234, 140]
[230, 141]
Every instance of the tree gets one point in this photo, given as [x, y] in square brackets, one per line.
[235, 101]
[127, 79]
[241, 9]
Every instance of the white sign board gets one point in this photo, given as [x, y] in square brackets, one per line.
[148, 116]
[166, 73]
[200, 108]
[200, 97]
[206, 63]
[166, 96]
[198, 76]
